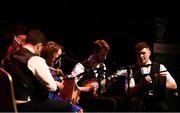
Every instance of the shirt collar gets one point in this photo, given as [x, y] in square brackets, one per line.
[29, 48]
[149, 62]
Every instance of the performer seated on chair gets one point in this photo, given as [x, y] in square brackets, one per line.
[52, 54]
[90, 77]
[32, 78]
[18, 41]
[142, 82]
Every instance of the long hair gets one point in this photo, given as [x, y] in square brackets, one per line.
[49, 49]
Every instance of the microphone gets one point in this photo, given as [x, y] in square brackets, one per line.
[69, 56]
[70, 59]
[58, 60]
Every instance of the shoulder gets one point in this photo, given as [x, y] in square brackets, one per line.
[36, 62]
[134, 66]
[162, 67]
[159, 64]
[36, 59]
[79, 64]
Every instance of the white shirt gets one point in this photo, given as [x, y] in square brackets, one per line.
[41, 71]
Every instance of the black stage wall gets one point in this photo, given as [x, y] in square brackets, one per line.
[76, 24]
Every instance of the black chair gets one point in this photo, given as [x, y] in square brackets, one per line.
[7, 96]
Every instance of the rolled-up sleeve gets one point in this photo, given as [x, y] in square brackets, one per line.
[78, 69]
[169, 78]
[41, 71]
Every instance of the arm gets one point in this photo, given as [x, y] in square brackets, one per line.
[41, 71]
[77, 70]
[170, 82]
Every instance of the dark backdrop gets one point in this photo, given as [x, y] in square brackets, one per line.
[75, 24]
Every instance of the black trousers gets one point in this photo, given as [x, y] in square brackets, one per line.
[102, 104]
[45, 106]
[148, 104]
[156, 104]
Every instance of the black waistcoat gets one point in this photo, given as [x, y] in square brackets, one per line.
[138, 76]
[25, 83]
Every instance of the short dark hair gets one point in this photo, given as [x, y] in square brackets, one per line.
[35, 36]
[139, 46]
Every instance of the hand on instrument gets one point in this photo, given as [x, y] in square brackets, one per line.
[58, 72]
[148, 79]
[60, 85]
[94, 86]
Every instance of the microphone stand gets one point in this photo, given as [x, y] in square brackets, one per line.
[100, 87]
[100, 72]
[70, 59]
[128, 79]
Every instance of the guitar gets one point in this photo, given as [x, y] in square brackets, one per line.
[71, 92]
[20, 39]
[94, 82]
[18, 42]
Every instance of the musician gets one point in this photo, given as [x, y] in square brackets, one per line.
[91, 80]
[52, 53]
[141, 81]
[32, 78]
[18, 41]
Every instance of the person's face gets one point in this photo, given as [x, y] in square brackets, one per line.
[101, 55]
[56, 55]
[143, 55]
